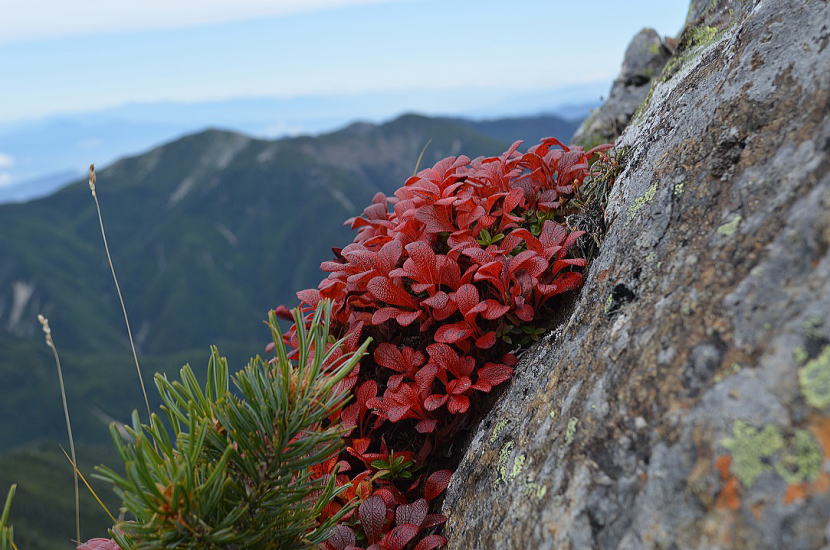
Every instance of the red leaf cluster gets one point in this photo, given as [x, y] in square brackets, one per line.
[440, 275]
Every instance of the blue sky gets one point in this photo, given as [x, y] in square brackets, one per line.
[58, 56]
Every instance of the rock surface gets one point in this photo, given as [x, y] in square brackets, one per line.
[685, 401]
[644, 58]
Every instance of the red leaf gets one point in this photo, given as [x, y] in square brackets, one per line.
[406, 318]
[486, 341]
[492, 374]
[366, 391]
[450, 334]
[466, 297]
[437, 483]
[458, 386]
[310, 296]
[385, 290]
[431, 542]
[389, 356]
[400, 536]
[383, 314]
[458, 404]
[438, 301]
[341, 537]
[414, 513]
[432, 520]
[524, 312]
[372, 513]
[425, 376]
[494, 309]
[434, 401]
[421, 263]
[436, 219]
[397, 413]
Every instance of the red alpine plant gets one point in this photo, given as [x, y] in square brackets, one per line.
[445, 276]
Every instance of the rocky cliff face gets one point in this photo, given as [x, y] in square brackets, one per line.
[685, 401]
[644, 59]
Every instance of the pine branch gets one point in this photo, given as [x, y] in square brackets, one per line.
[223, 469]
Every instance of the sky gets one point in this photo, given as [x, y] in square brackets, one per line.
[58, 56]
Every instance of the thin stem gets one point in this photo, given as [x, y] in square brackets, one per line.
[118, 287]
[49, 342]
[89, 487]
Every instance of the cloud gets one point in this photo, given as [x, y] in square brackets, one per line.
[6, 161]
[26, 20]
[5, 179]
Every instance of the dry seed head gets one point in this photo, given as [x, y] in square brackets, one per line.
[92, 179]
[44, 323]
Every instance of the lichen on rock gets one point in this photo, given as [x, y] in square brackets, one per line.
[815, 380]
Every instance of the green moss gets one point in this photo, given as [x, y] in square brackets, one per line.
[570, 431]
[752, 450]
[800, 355]
[802, 460]
[640, 201]
[815, 380]
[702, 35]
[693, 38]
[730, 227]
[678, 189]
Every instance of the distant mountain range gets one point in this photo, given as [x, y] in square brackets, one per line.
[56, 149]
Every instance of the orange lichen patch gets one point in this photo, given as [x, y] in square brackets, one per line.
[822, 484]
[820, 428]
[722, 463]
[795, 491]
[729, 497]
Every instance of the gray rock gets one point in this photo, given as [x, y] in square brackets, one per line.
[697, 415]
[644, 59]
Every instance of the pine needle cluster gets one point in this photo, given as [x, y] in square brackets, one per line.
[232, 469]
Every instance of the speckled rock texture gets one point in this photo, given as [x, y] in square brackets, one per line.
[644, 58]
[684, 403]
